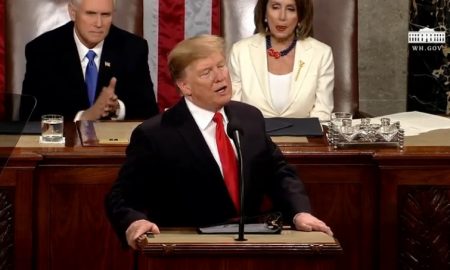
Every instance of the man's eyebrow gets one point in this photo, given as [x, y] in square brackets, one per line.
[202, 70]
[95, 12]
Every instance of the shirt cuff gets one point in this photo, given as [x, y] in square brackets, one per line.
[120, 112]
[78, 116]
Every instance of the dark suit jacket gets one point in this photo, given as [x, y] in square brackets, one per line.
[55, 77]
[171, 178]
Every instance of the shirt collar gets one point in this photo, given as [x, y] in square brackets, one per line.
[201, 116]
[82, 49]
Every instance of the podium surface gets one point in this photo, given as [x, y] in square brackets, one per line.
[187, 249]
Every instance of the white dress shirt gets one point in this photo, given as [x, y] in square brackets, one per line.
[279, 90]
[204, 120]
[82, 51]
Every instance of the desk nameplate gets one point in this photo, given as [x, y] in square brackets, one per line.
[105, 133]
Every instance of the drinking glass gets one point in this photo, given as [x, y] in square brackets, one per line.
[347, 129]
[387, 130]
[337, 117]
[364, 130]
[52, 127]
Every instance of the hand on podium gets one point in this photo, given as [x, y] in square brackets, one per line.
[138, 228]
[307, 222]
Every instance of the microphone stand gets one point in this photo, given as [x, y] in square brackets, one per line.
[242, 185]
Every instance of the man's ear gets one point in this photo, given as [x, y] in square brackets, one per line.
[72, 11]
[184, 87]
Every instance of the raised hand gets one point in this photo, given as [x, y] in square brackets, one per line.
[104, 105]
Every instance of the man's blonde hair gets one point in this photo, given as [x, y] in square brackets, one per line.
[192, 49]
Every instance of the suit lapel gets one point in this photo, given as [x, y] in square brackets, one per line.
[70, 62]
[257, 49]
[107, 61]
[194, 140]
[302, 62]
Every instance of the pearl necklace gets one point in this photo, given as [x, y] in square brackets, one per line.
[277, 54]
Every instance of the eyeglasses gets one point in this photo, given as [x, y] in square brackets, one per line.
[274, 221]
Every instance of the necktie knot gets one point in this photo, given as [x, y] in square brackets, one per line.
[91, 55]
[218, 118]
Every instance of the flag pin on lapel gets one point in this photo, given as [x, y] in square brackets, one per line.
[107, 64]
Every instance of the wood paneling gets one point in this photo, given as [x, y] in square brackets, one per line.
[424, 227]
[342, 190]
[73, 231]
[16, 213]
[6, 229]
[415, 209]
[239, 262]
[375, 200]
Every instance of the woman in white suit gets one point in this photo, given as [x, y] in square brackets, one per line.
[282, 70]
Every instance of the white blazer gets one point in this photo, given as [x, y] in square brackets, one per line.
[311, 92]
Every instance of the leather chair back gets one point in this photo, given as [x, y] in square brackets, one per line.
[335, 23]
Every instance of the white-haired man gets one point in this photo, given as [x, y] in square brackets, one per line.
[90, 69]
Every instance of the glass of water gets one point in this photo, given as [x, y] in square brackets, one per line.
[52, 128]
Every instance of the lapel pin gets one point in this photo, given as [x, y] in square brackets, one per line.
[298, 71]
[107, 64]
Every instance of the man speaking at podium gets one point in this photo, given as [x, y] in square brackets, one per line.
[181, 166]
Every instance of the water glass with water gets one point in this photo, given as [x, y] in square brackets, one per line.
[52, 128]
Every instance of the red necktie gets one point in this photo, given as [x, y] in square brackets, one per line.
[228, 160]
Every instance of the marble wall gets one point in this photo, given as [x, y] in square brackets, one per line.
[383, 55]
[428, 63]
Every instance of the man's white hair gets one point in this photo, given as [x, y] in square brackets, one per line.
[78, 2]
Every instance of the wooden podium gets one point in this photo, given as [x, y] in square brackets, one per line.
[186, 249]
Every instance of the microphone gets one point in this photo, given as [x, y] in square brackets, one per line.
[234, 131]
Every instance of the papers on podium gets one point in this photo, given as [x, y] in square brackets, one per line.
[415, 123]
[269, 223]
[258, 228]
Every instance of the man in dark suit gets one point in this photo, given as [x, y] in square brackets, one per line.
[173, 174]
[57, 62]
